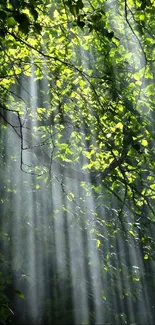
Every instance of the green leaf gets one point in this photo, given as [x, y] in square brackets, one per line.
[136, 279]
[11, 22]
[146, 256]
[20, 294]
[144, 143]
[131, 233]
[98, 243]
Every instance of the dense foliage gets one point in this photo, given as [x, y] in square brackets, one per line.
[77, 96]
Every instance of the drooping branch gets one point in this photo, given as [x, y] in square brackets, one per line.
[23, 132]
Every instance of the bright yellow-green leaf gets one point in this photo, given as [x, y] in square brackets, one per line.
[136, 279]
[119, 125]
[131, 233]
[98, 243]
[58, 83]
[82, 83]
[152, 186]
[146, 256]
[41, 110]
[56, 14]
[70, 196]
[144, 143]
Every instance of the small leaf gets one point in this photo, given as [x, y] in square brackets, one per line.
[119, 126]
[136, 279]
[107, 257]
[144, 143]
[70, 196]
[20, 294]
[11, 22]
[41, 110]
[146, 256]
[131, 233]
[98, 243]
